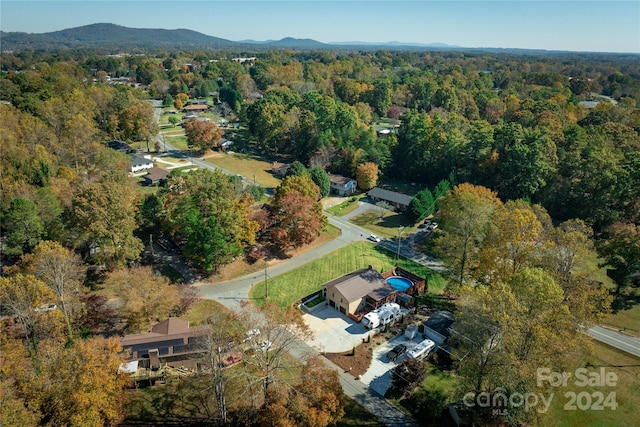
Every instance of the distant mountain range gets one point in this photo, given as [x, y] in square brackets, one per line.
[111, 37]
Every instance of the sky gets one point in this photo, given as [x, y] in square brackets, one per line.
[574, 25]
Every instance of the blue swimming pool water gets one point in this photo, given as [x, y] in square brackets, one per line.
[399, 283]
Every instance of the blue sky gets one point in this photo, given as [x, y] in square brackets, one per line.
[596, 26]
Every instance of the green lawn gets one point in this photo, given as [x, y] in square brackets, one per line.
[247, 165]
[627, 320]
[345, 207]
[627, 390]
[289, 287]
[386, 227]
[180, 142]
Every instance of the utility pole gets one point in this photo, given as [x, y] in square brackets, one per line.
[266, 284]
[398, 254]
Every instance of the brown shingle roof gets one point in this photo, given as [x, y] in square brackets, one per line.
[356, 285]
[156, 173]
[339, 179]
[172, 328]
[195, 107]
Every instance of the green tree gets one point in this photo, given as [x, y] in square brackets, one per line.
[621, 251]
[297, 169]
[197, 198]
[207, 244]
[465, 214]
[302, 183]
[422, 205]
[321, 178]
[23, 226]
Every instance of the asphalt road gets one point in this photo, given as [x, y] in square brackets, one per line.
[616, 339]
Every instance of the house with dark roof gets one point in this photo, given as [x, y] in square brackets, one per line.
[341, 185]
[155, 176]
[139, 163]
[438, 326]
[169, 340]
[397, 200]
[118, 145]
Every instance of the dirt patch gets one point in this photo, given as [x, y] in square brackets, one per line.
[356, 364]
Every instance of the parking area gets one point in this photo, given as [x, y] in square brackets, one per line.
[335, 333]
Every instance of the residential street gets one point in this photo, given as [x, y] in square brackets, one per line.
[616, 339]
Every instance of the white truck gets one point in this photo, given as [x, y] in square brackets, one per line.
[383, 315]
[421, 350]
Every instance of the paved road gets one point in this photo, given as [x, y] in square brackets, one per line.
[616, 339]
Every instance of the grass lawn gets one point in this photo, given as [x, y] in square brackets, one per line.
[289, 287]
[180, 142]
[627, 320]
[627, 369]
[386, 227]
[345, 207]
[246, 165]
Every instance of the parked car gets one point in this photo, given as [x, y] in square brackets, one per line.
[374, 238]
[432, 226]
[231, 359]
[396, 352]
[423, 226]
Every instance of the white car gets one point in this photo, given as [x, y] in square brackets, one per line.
[432, 226]
[374, 238]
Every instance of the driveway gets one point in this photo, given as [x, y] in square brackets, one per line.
[333, 332]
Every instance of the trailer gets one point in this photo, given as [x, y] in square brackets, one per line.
[383, 315]
[421, 350]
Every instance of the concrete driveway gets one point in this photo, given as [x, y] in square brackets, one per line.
[333, 332]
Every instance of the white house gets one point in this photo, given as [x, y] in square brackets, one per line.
[342, 185]
[139, 163]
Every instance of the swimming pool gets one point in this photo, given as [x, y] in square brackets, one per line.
[399, 283]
